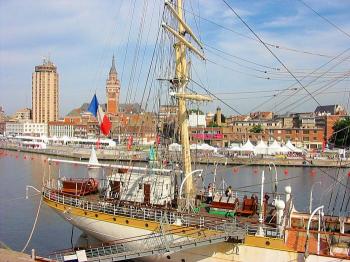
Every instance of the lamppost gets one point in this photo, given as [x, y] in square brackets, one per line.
[311, 199]
[182, 184]
[320, 214]
[187, 176]
[274, 185]
[260, 231]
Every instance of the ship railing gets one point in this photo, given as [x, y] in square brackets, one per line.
[173, 217]
[268, 231]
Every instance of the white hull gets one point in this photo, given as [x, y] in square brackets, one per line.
[107, 232]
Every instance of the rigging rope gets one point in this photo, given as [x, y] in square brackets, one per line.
[315, 70]
[269, 49]
[324, 18]
[273, 45]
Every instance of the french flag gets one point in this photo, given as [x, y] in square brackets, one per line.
[103, 120]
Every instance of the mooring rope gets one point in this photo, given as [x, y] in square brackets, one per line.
[34, 225]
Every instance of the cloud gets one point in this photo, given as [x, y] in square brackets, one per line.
[82, 36]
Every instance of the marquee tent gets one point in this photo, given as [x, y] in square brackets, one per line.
[292, 148]
[234, 148]
[274, 148]
[248, 146]
[261, 148]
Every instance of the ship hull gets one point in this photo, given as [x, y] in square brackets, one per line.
[107, 232]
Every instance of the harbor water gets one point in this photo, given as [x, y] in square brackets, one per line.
[52, 233]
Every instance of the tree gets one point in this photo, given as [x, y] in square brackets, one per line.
[257, 129]
[341, 133]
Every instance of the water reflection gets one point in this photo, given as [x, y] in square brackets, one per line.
[53, 233]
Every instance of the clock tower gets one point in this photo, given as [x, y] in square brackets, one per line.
[112, 90]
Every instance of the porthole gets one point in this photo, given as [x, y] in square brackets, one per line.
[127, 221]
[85, 213]
[168, 257]
[267, 243]
[96, 215]
[183, 260]
[146, 225]
[114, 219]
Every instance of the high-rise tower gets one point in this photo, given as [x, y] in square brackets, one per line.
[112, 90]
[45, 93]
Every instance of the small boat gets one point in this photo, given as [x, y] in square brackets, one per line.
[79, 187]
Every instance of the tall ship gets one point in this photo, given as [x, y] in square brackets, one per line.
[155, 213]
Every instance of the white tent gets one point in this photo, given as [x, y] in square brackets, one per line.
[202, 147]
[195, 146]
[292, 148]
[274, 148]
[261, 148]
[175, 147]
[248, 146]
[234, 148]
[285, 149]
[205, 146]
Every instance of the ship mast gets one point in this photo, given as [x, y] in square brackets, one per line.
[180, 82]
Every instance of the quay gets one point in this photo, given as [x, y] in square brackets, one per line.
[7, 255]
[121, 154]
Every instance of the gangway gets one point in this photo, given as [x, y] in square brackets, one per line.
[155, 244]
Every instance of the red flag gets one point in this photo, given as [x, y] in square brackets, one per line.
[158, 140]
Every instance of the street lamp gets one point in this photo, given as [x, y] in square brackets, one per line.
[260, 231]
[274, 185]
[312, 188]
[320, 214]
[187, 176]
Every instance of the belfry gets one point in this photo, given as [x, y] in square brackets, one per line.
[112, 91]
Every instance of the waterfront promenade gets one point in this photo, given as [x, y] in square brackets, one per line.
[122, 154]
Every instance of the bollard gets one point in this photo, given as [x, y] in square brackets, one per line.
[33, 254]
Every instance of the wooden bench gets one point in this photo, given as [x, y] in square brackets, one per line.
[249, 207]
[224, 203]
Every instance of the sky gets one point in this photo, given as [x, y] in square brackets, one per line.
[80, 38]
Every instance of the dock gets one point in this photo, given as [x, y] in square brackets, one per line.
[7, 255]
[124, 155]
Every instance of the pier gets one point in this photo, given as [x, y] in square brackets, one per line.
[7, 255]
[121, 154]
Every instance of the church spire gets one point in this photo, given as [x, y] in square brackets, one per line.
[113, 70]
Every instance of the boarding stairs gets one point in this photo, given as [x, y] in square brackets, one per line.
[156, 243]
